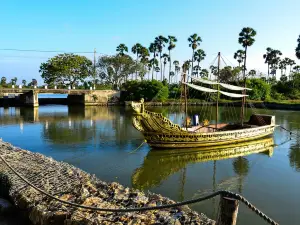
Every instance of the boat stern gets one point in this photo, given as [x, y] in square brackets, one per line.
[262, 120]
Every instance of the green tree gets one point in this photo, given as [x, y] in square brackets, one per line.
[144, 54]
[239, 55]
[160, 42]
[24, 82]
[194, 41]
[114, 70]
[199, 55]
[3, 81]
[228, 74]
[136, 49]
[252, 73]
[153, 63]
[272, 59]
[66, 69]
[166, 59]
[282, 66]
[246, 39]
[196, 70]
[296, 69]
[204, 73]
[172, 40]
[157, 69]
[298, 48]
[177, 67]
[121, 49]
[260, 89]
[14, 81]
[153, 49]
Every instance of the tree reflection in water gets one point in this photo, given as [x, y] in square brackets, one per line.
[294, 155]
[241, 168]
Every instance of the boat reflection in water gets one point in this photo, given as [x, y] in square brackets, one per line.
[158, 165]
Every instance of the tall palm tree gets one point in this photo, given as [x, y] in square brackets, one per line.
[296, 69]
[177, 67]
[144, 54]
[204, 73]
[298, 48]
[154, 63]
[196, 70]
[172, 74]
[153, 49]
[121, 49]
[166, 59]
[171, 40]
[199, 55]
[246, 39]
[160, 41]
[157, 69]
[267, 56]
[24, 82]
[136, 49]
[282, 66]
[194, 41]
[239, 55]
[252, 73]
[272, 59]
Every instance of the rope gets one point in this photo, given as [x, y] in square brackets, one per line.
[291, 132]
[133, 151]
[221, 192]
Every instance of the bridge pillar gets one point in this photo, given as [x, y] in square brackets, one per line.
[29, 98]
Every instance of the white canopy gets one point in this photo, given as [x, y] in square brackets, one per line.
[227, 86]
[204, 89]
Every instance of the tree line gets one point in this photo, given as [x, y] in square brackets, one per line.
[151, 63]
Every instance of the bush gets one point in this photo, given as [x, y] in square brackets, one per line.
[260, 89]
[149, 90]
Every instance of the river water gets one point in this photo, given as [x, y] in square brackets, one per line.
[101, 140]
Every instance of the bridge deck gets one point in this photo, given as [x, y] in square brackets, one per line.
[72, 184]
[50, 91]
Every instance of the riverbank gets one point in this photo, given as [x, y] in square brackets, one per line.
[74, 185]
[250, 104]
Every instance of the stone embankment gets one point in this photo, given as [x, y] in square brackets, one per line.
[74, 185]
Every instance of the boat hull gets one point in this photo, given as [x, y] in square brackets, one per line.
[160, 132]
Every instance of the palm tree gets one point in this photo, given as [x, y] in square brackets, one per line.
[160, 41]
[296, 69]
[136, 49]
[204, 73]
[172, 74]
[121, 49]
[272, 59]
[177, 67]
[24, 82]
[239, 55]
[282, 66]
[153, 49]
[154, 63]
[199, 55]
[157, 69]
[171, 40]
[246, 39]
[267, 57]
[298, 48]
[194, 41]
[196, 69]
[3, 81]
[252, 73]
[166, 59]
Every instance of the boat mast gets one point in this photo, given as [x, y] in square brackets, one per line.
[217, 102]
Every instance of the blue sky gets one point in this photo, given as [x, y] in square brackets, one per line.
[84, 25]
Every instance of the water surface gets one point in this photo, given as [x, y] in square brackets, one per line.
[101, 140]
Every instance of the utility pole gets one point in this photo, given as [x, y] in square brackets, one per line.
[94, 68]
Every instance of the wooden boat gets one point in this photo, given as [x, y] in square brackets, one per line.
[160, 132]
[159, 165]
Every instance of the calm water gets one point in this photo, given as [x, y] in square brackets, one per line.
[100, 140]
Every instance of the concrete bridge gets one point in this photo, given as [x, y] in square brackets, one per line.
[29, 97]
